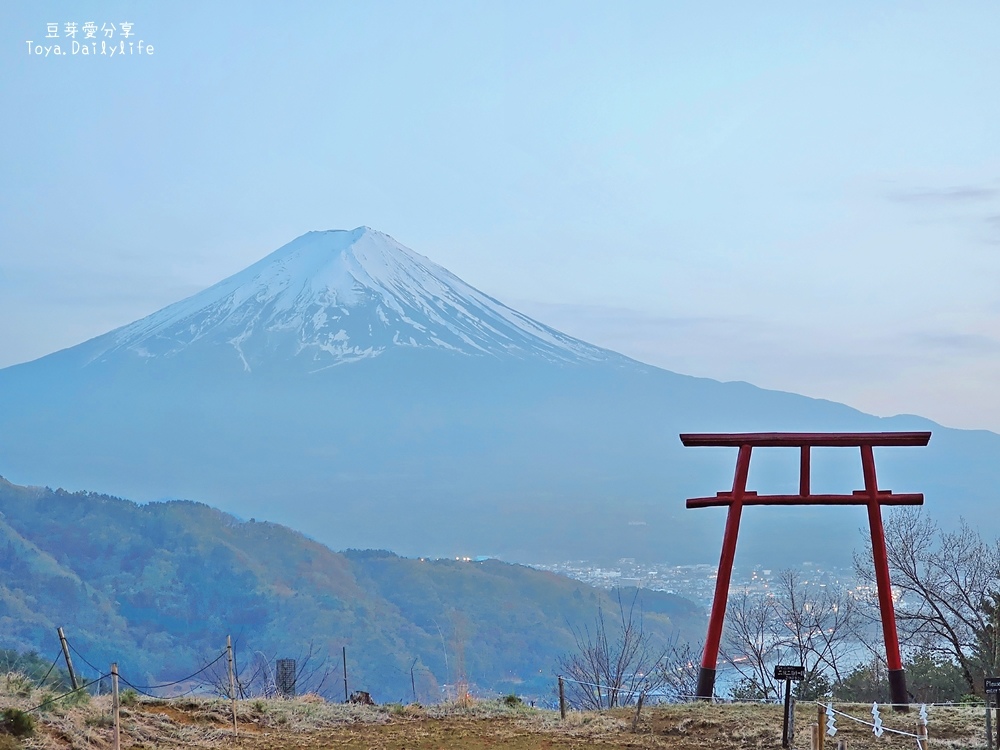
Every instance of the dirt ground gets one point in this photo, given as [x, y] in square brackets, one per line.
[673, 727]
[295, 725]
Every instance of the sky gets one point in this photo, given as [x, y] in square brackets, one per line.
[805, 196]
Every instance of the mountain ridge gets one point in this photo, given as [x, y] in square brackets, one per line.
[157, 587]
[428, 451]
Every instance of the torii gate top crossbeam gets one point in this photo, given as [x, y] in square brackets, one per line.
[804, 441]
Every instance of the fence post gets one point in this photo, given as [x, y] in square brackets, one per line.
[344, 650]
[821, 723]
[922, 736]
[638, 709]
[69, 662]
[232, 680]
[562, 698]
[116, 706]
[413, 684]
[815, 732]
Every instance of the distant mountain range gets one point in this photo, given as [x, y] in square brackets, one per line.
[351, 388]
[158, 587]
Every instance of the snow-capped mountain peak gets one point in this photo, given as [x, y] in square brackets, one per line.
[338, 296]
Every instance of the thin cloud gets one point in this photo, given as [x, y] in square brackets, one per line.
[957, 343]
[619, 316]
[959, 194]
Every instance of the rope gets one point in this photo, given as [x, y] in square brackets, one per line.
[947, 704]
[581, 682]
[60, 697]
[53, 666]
[715, 699]
[140, 688]
[199, 686]
[85, 661]
[620, 688]
[830, 707]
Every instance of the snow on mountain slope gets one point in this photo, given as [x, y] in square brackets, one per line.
[337, 296]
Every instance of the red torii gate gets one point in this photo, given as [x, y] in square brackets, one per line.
[871, 496]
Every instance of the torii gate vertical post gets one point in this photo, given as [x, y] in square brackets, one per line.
[710, 656]
[871, 497]
[897, 678]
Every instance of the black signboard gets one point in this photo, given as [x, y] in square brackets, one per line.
[991, 685]
[787, 672]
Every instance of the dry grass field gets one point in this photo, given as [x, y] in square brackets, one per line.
[309, 723]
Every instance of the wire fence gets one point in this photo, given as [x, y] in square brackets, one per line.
[51, 667]
[876, 725]
[57, 698]
[181, 681]
[231, 689]
[141, 689]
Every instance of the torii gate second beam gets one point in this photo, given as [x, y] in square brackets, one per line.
[871, 497]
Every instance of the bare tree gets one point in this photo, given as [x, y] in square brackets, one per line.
[680, 669]
[255, 677]
[612, 666]
[819, 624]
[797, 622]
[946, 582]
[753, 640]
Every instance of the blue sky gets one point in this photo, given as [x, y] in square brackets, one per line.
[802, 195]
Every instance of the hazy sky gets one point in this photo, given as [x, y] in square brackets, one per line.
[802, 195]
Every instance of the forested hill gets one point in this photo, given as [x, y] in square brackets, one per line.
[158, 587]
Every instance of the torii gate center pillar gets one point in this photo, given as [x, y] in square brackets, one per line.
[871, 497]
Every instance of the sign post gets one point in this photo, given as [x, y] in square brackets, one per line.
[991, 686]
[788, 673]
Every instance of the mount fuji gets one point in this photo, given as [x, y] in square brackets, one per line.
[346, 386]
[329, 298]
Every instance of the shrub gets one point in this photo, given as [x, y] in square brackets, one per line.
[932, 679]
[17, 722]
[511, 701]
[748, 689]
[814, 687]
[48, 701]
[45, 706]
[102, 721]
[866, 683]
[79, 698]
[128, 698]
[929, 678]
[18, 684]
